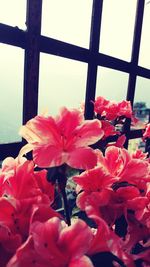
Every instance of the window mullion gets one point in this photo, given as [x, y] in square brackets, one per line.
[92, 65]
[134, 61]
[32, 54]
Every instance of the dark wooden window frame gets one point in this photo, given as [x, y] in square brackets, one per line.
[33, 43]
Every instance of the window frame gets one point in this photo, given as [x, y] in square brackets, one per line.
[34, 43]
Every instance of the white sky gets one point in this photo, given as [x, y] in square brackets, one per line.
[62, 81]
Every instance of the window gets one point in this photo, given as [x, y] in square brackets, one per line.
[62, 83]
[84, 44]
[144, 56]
[13, 13]
[11, 100]
[118, 20]
[68, 21]
[142, 91]
[112, 84]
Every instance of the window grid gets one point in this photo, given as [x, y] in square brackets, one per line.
[33, 43]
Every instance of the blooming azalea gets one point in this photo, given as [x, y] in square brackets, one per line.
[22, 191]
[119, 163]
[108, 129]
[54, 244]
[113, 191]
[21, 182]
[95, 185]
[111, 109]
[63, 139]
[139, 154]
[125, 109]
[9, 242]
[100, 105]
[105, 240]
[113, 187]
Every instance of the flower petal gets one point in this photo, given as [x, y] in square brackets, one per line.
[41, 130]
[82, 158]
[88, 133]
[45, 236]
[70, 238]
[68, 120]
[48, 156]
[24, 150]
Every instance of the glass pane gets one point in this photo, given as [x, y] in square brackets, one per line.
[11, 84]
[62, 83]
[135, 144]
[141, 99]
[117, 28]
[68, 21]
[144, 57]
[111, 84]
[13, 13]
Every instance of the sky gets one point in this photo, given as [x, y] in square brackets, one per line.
[63, 81]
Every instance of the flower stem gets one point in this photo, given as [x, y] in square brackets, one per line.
[62, 180]
[66, 208]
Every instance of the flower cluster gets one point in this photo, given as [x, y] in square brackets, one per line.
[110, 223]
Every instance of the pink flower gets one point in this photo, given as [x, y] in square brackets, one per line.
[114, 186]
[105, 240]
[119, 163]
[9, 242]
[100, 105]
[22, 192]
[54, 244]
[111, 110]
[108, 129]
[20, 181]
[64, 139]
[95, 185]
[125, 109]
[139, 154]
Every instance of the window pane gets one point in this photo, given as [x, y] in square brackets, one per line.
[68, 21]
[144, 57]
[13, 13]
[62, 83]
[11, 84]
[111, 84]
[142, 94]
[135, 144]
[117, 28]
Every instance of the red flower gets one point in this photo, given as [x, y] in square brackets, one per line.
[104, 239]
[119, 163]
[100, 105]
[125, 109]
[139, 154]
[9, 242]
[108, 129]
[22, 192]
[21, 182]
[111, 110]
[54, 244]
[64, 139]
[96, 186]
[114, 186]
